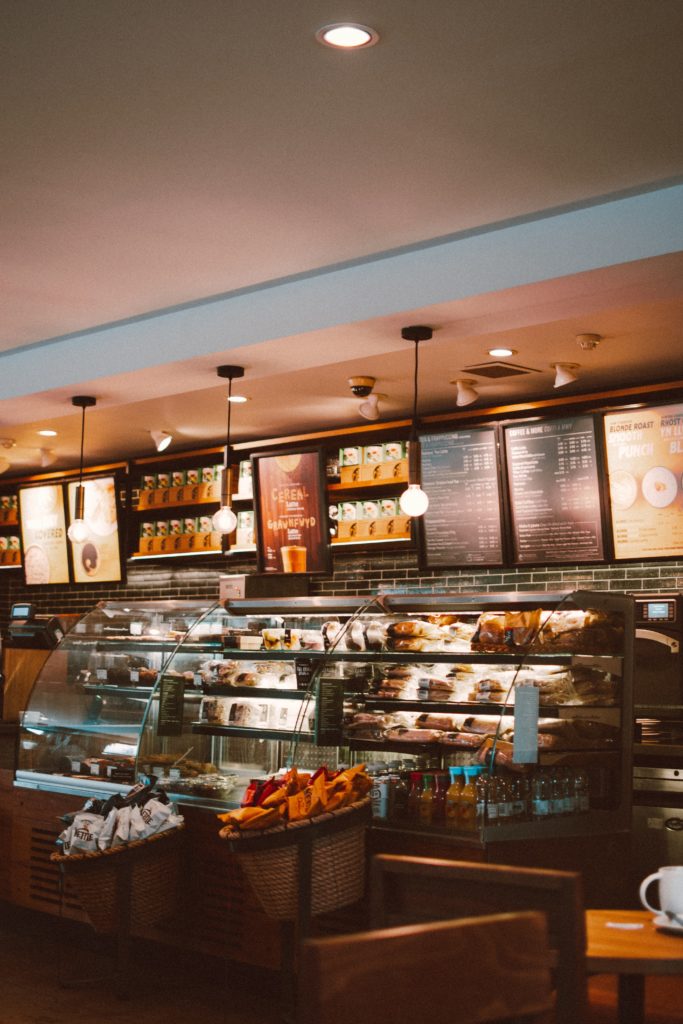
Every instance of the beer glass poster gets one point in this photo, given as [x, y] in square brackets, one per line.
[291, 515]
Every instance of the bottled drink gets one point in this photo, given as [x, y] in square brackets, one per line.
[556, 793]
[426, 803]
[441, 786]
[481, 786]
[505, 805]
[581, 791]
[493, 797]
[519, 795]
[540, 796]
[414, 794]
[467, 805]
[568, 796]
[398, 802]
[453, 795]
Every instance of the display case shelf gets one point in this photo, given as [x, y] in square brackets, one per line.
[245, 732]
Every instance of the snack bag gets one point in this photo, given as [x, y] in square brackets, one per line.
[122, 830]
[84, 832]
[106, 836]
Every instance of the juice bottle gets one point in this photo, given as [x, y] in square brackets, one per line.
[481, 785]
[467, 806]
[441, 785]
[414, 794]
[453, 795]
[426, 804]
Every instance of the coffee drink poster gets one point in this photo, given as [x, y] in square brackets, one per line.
[43, 535]
[98, 558]
[291, 512]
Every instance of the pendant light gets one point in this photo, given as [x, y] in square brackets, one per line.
[78, 531]
[414, 501]
[225, 520]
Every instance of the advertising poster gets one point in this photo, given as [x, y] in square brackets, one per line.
[291, 513]
[43, 535]
[645, 467]
[554, 486]
[462, 525]
[98, 558]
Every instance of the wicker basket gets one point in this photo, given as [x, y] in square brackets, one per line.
[271, 861]
[143, 876]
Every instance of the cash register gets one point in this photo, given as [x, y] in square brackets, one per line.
[27, 629]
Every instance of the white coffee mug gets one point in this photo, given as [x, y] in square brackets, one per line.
[670, 880]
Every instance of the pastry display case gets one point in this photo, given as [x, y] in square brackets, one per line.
[480, 717]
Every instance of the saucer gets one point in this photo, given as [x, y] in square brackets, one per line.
[665, 923]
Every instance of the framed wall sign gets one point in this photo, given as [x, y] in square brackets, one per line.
[463, 524]
[43, 534]
[291, 512]
[645, 466]
[98, 558]
[554, 491]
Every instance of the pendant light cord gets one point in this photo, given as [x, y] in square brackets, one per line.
[80, 472]
[227, 437]
[414, 428]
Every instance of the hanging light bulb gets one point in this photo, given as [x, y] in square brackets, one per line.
[78, 531]
[225, 520]
[414, 502]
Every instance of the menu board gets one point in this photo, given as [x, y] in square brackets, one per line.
[43, 534]
[554, 491]
[98, 558]
[462, 525]
[291, 512]
[645, 467]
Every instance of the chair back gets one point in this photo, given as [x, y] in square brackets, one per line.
[470, 971]
[407, 890]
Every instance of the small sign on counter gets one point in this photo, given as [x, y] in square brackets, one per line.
[171, 706]
[329, 711]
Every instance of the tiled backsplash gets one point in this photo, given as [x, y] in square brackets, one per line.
[357, 574]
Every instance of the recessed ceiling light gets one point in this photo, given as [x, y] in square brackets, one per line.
[501, 353]
[238, 399]
[347, 36]
[47, 433]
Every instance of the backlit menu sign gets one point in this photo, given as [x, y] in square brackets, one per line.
[554, 491]
[645, 467]
[462, 525]
[98, 558]
[291, 512]
[43, 534]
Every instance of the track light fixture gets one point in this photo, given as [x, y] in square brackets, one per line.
[47, 457]
[369, 409]
[466, 393]
[414, 502]
[225, 520]
[564, 373]
[78, 531]
[161, 438]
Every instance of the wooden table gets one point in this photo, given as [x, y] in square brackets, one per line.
[631, 953]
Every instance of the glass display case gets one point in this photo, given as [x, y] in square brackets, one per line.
[83, 721]
[482, 717]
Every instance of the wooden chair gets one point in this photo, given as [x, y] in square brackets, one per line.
[483, 969]
[406, 890]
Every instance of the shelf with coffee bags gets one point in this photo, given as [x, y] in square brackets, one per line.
[10, 540]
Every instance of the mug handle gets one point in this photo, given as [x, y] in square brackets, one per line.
[643, 889]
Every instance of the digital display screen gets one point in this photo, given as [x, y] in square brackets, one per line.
[657, 610]
[21, 611]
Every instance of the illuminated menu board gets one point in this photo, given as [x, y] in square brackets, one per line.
[462, 525]
[97, 559]
[43, 534]
[554, 491]
[645, 466]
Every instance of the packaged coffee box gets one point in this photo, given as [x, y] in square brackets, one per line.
[13, 543]
[371, 509]
[348, 510]
[4, 543]
[163, 480]
[350, 456]
[388, 507]
[394, 450]
[373, 453]
[244, 480]
[190, 524]
[149, 481]
[5, 501]
[244, 536]
[204, 524]
[192, 476]
[148, 529]
[14, 502]
[175, 527]
[178, 478]
[162, 528]
[208, 474]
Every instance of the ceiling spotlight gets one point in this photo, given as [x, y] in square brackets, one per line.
[347, 36]
[502, 353]
[47, 457]
[588, 341]
[369, 409]
[466, 392]
[564, 373]
[161, 438]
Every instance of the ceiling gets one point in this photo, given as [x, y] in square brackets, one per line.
[188, 185]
